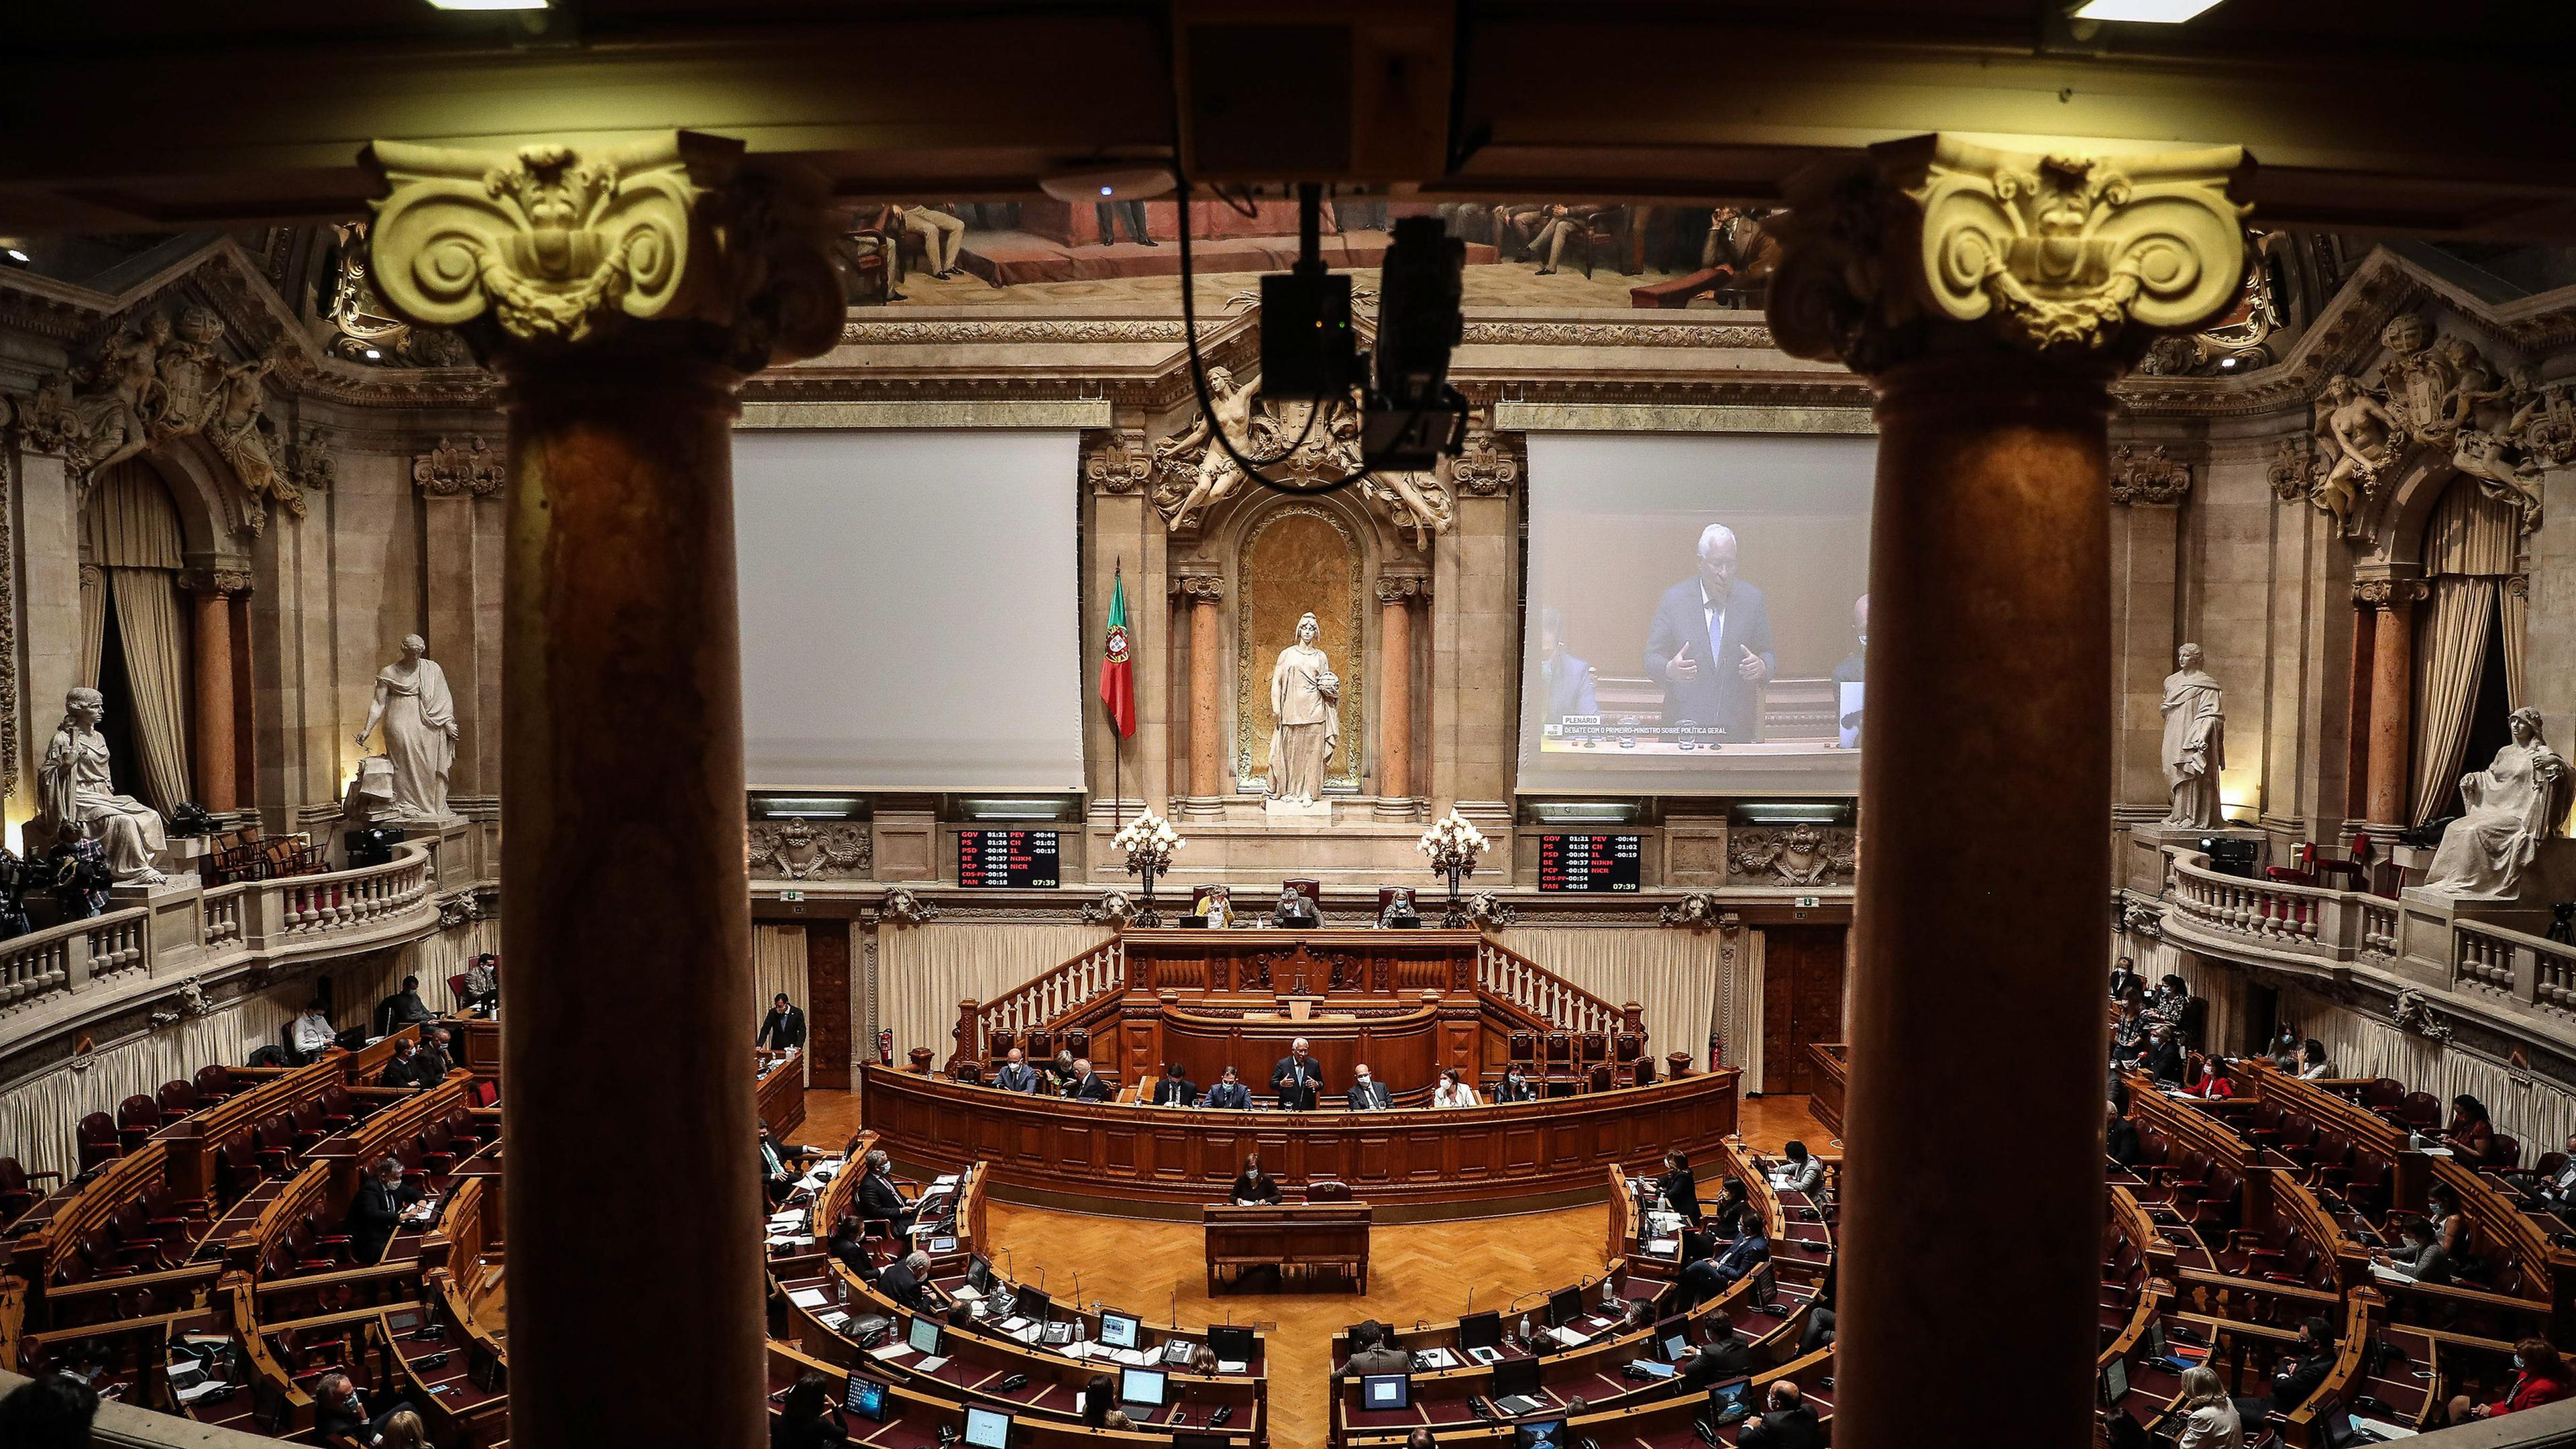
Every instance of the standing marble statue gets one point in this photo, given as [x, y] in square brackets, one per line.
[419, 717]
[76, 799]
[2195, 748]
[2513, 804]
[1306, 700]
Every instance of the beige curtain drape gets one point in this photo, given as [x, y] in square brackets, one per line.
[2450, 658]
[2537, 1113]
[156, 675]
[2514, 609]
[1744, 1032]
[924, 971]
[1672, 975]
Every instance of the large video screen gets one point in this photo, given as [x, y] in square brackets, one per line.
[910, 609]
[1697, 607]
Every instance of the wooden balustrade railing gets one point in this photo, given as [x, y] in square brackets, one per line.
[2533, 970]
[1086, 978]
[1507, 976]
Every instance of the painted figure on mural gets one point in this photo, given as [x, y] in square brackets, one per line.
[419, 716]
[1306, 701]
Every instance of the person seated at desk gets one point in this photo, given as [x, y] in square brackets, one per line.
[338, 1408]
[1750, 1250]
[2124, 977]
[2540, 1377]
[1297, 1078]
[1372, 1354]
[1088, 1086]
[375, 1214]
[1725, 1356]
[908, 1283]
[1062, 1067]
[404, 1069]
[2296, 1377]
[1174, 1090]
[435, 1063]
[1254, 1188]
[1229, 1092]
[2216, 1080]
[2314, 1066]
[807, 1417]
[879, 1199]
[778, 1175]
[2558, 1192]
[1726, 1216]
[1100, 1404]
[1367, 1094]
[848, 1247]
[1421, 1438]
[2161, 1056]
[1016, 1074]
[311, 1034]
[482, 981]
[2209, 1417]
[1678, 1188]
[2422, 1259]
[783, 1029]
[2451, 1230]
[2120, 1137]
[1453, 1091]
[1295, 909]
[1514, 1087]
[1786, 1423]
[2470, 1136]
[402, 1009]
[1801, 1173]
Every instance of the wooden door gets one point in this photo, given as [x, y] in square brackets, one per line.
[827, 1009]
[1802, 1001]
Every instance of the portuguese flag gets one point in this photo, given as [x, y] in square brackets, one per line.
[1117, 674]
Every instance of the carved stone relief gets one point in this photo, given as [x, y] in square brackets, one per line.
[1698, 911]
[1116, 461]
[1798, 855]
[454, 468]
[2149, 476]
[1300, 445]
[796, 849]
[903, 908]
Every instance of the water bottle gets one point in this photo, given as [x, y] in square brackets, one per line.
[1609, 1295]
[1525, 1328]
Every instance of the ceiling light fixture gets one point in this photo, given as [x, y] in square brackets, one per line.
[374, 356]
[487, 4]
[15, 257]
[2142, 12]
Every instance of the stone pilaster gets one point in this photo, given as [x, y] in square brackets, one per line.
[1991, 297]
[1397, 594]
[1203, 590]
[623, 296]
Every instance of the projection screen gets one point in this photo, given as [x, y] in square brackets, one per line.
[1656, 666]
[910, 609]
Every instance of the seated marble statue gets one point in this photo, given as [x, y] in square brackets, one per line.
[2513, 804]
[76, 799]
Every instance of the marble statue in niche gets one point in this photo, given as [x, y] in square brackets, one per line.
[76, 798]
[2195, 744]
[419, 718]
[1305, 703]
[2513, 804]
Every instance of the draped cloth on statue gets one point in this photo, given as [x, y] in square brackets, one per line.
[2513, 804]
[78, 799]
[420, 739]
[2195, 748]
[1305, 698]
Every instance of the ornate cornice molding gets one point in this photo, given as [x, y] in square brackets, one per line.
[1677, 333]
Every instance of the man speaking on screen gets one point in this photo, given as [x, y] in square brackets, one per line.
[1711, 644]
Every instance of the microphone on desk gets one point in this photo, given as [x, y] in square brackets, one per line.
[1176, 1308]
[1077, 1290]
[1010, 1265]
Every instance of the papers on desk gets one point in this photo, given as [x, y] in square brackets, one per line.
[2428, 1152]
[1664, 1247]
[790, 1240]
[943, 1181]
[1233, 1366]
[1078, 1350]
[965, 1293]
[1434, 1358]
[1660, 1221]
[2386, 1274]
[194, 1392]
[1486, 1356]
[794, 1218]
[893, 1351]
[1569, 1337]
[932, 1364]
[808, 1297]
[1016, 1322]
[2382, 1428]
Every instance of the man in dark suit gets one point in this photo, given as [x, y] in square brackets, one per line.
[404, 1069]
[402, 1009]
[1711, 644]
[2120, 1138]
[1229, 1092]
[2296, 1377]
[1750, 1250]
[784, 1028]
[2124, 977]
[1679, 1187]
[1174, 1090]
[2162, 1058]
[1725, 1356]
[1566, 679]
[375, 1214]
[1367, 1093]
[434, 1063]
[879, 1198]
[1787, 1424]
[1297, 1078]
[1087, 1085]
[908, 1283]
[1016, 1074]
[1372, 1354]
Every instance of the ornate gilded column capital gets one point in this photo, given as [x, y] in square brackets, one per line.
[1199, 585]
[452, 469]
[1402, 588]
[1934, 244]
[2382, 593]
[554, 246]
[1116, 460]
[219, 581]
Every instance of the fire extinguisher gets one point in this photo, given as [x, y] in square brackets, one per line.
[1716, 1051]
[885, 1048]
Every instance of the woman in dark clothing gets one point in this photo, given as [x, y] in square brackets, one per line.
[807, 1418]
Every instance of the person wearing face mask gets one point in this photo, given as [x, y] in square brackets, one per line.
[2296, 1377]
[1367, 1093]
[2540, 1377]
[338, 1408]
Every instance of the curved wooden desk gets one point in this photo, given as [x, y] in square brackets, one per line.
[1124, 1160]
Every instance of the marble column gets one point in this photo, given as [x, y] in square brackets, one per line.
[622, 297]
[2392, 696]
[1396, 596]
[210, 591]
[1205, 590]
[1990, 684]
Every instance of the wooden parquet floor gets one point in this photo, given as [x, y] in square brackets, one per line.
[1416, 1271]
